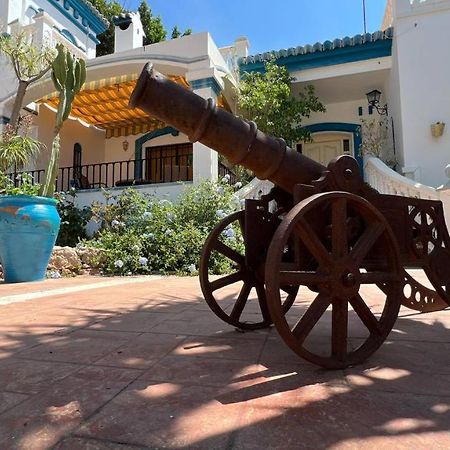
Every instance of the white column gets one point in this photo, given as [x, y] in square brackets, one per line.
[205, 161]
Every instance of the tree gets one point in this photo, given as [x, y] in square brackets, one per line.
[176, 33]
[267, 99]
[153, 27]
[109, 9]
[29, 62]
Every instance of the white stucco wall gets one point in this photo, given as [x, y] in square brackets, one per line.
[343, 112]
[114, 146]
[422, 30]
[91, 139]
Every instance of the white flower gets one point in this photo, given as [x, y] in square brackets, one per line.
[168, 232]
[148, 235]
[54, 274]
[192, 268]
[143, 261]
[170, 216]
[118, 264]
[226, 178]
[220, 190]
[229, 233]
[115, 223]
[147, 215]
[136, 247]
[220, 213]
[238, 185]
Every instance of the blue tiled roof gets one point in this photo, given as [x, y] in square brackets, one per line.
[359, 39]
[96, 12]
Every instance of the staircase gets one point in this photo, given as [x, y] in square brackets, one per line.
[379, 176]
[387, 181]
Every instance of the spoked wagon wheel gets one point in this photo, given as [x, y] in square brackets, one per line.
[342, 243]
[242, 276]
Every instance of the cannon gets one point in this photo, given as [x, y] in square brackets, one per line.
[320, 231]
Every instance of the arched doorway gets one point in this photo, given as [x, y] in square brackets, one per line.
[77, 157]
[333, 139]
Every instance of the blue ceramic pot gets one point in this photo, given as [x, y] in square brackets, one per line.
[29, 226]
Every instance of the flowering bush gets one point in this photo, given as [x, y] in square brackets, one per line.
[23, 185]
[143, 234]
[376, 137]
[73, 219]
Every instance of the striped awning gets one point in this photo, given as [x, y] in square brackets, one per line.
[104, 103]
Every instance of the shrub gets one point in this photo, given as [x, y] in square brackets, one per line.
[143, 234]
[73, 219]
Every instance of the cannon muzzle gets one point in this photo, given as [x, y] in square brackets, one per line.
[238, 140]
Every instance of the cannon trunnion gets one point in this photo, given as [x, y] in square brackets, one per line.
[310, 249]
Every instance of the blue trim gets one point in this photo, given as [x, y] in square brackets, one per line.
[202, 83]
[71, 38]
[80, 9]
[343, 127]
[370, 50]
[145, 138]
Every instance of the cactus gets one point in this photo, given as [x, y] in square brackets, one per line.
[68, 75]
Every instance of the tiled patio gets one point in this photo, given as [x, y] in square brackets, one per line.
[142, 363]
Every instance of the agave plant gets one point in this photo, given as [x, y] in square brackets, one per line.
[68, 75]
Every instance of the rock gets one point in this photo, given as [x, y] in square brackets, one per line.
[65, 260]
[91, 258]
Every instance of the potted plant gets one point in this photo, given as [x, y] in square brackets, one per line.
[29, 224]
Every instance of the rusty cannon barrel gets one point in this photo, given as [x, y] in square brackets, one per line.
[238, 140]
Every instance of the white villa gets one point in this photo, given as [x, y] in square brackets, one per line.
[104, 144]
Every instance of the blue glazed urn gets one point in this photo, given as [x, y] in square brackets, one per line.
[29, 226]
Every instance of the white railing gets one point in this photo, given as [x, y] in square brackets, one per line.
[255, 189]
[387, 181]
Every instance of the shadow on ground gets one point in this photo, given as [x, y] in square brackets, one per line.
[149, 366]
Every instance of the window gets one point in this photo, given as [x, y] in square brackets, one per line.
[346, 144]
[77, 155]
[166, 163]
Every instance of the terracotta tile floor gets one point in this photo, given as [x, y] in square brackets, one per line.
[143, 364]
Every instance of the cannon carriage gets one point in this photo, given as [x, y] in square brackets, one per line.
[321, 229]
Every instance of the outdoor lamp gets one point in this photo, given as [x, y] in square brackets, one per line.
[373, 98]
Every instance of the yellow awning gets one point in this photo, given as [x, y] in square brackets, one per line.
[104, 103]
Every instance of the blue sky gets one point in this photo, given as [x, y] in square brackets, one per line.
[269, 25]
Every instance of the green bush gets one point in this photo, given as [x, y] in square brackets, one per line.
[24, 185]
[143, 234]
[73, 219]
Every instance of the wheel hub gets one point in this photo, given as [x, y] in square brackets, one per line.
[348, 279]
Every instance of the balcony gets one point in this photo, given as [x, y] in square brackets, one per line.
[133, 172]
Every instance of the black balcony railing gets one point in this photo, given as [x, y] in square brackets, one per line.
[224, 170]
[164, 169]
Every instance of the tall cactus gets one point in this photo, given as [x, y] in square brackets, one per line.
[68, 75]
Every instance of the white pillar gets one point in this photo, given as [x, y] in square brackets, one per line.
[207, 84]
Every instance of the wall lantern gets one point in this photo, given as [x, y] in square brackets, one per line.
[125, 145]
[373, 98]
[437, 129]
